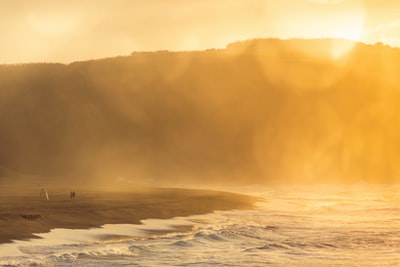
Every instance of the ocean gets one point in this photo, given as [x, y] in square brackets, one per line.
[324, 225]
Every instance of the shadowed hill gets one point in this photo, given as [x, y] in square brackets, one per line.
[257, 111]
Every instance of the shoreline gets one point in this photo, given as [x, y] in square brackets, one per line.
[23, 216]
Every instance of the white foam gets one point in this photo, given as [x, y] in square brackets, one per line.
[294, 226]
[104, 234]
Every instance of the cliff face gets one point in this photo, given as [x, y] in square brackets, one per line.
[257, 111]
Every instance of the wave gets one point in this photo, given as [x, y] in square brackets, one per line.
[282, 236]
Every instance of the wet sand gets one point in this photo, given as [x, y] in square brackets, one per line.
[23, 215]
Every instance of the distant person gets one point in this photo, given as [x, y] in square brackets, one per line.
[72, 195]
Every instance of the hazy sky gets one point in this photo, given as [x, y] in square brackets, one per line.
[65, 31]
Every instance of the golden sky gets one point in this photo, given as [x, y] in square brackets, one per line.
[66, 31]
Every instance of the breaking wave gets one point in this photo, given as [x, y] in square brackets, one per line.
[292, 227]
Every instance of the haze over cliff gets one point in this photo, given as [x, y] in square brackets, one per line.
[258, 111]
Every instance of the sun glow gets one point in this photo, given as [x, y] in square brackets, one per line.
[341, 47]
[348, 32]
[350, 28]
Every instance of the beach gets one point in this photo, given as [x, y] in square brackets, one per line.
[352, 225]
[23, 215]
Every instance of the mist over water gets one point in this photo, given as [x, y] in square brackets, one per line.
[258, 114]
[291, 226]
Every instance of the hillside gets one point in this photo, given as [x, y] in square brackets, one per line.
[258, 111]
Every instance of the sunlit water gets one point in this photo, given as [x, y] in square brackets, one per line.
[292, 226]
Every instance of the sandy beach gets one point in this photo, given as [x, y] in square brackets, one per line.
[23, 215]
